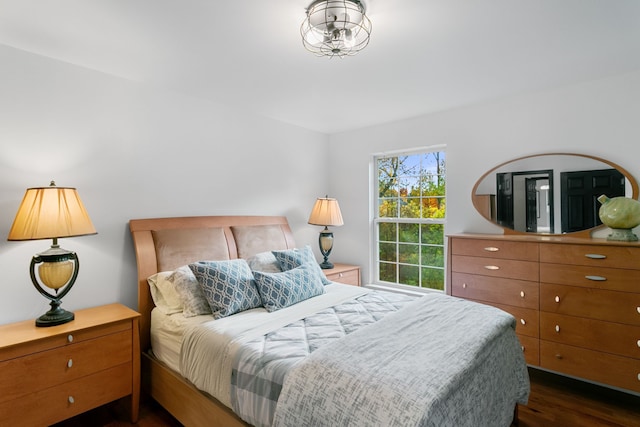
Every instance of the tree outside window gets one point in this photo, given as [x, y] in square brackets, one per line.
[410, 219]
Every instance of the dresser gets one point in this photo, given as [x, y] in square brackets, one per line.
[344, 273]
[576, 301]
[49, 374]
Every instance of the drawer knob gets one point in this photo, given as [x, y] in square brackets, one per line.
[557, 328]
[557, 298]
[638, 343]
[492, 267]
[340, 274]
[638, 309]
[491, 249]
[596, 278]
[558, 356]
[69, 338]
[524, 322]
[521, 294]
[70, 363]
[595, 256]
[464, 286]
[71, 399]
[522, 347]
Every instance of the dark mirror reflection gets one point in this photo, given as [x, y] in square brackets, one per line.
[550, 193]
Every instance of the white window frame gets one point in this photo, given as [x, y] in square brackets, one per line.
[375, 220]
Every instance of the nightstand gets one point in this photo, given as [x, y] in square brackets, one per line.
[53, 373]
[344, 273]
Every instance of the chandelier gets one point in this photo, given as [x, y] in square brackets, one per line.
[335, 28]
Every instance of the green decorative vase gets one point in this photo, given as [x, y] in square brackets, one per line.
[621, 215]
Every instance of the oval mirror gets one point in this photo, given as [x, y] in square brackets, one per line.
[553, 193]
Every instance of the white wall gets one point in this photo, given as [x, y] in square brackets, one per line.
[133, 151]
[598, 118]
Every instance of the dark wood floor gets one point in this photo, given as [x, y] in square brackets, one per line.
[554, 402]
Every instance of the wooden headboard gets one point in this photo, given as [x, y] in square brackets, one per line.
[163, 244]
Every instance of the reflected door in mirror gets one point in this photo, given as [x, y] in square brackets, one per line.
[580, 191]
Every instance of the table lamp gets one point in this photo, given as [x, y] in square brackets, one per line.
[52, 213]
[326, 212]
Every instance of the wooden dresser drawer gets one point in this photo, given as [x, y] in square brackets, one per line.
[618, 371]
[69, 399]
[617, 338]
[527, 320]
[613, 306]
[28, 374]
[519, 293]
[614, 279]
[530, 348]
[494, 267]
[495, 249]
[591, 255]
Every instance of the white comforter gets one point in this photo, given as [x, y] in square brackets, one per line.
[208, 349]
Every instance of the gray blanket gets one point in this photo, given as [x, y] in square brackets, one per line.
[440, 361]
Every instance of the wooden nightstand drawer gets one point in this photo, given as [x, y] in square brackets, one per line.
[50, 374]
[29, 374]
[53, 404]
[344, 273]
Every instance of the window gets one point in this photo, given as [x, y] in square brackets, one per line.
[410, 217]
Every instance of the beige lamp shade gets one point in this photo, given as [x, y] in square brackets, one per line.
[49, 213]
[326, 212]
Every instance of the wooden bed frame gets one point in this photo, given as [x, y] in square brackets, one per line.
[163, 244]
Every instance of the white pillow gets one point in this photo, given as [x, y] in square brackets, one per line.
[164, 294]
[264, 262]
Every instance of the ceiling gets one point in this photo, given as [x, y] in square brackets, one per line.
[424, 56]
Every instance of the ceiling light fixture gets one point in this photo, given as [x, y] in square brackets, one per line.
[335, 28]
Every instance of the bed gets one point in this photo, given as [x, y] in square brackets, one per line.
[471, 376]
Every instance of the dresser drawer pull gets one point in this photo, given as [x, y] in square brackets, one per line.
[557, 328]
[492, 267]
[464, 286]
[340, 275]
[70, 363]
[558, 356]
[638, 343]
[638, 309]
[596, 278]
[521, 294]
[71, 399]
[638, 377]
[69, 338]
[595, 256]
[491, 249]
[524, 322]
[557, 298]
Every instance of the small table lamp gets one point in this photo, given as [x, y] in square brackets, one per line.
[51, 213]
[326, 212]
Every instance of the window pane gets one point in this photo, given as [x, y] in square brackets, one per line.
[410, 207]
[433, 256]
[409, 275]
[433, 207]
[433, 278]
[388, 272]
[388, 252]
[388, 208]
[387, 231]
[409, 254]
[433, 234]
[409, 233]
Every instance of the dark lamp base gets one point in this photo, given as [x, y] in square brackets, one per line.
[53, 317]
[326, 265]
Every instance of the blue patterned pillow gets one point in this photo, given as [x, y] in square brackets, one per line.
[228, 286]
[280, 290]
[292, 258]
